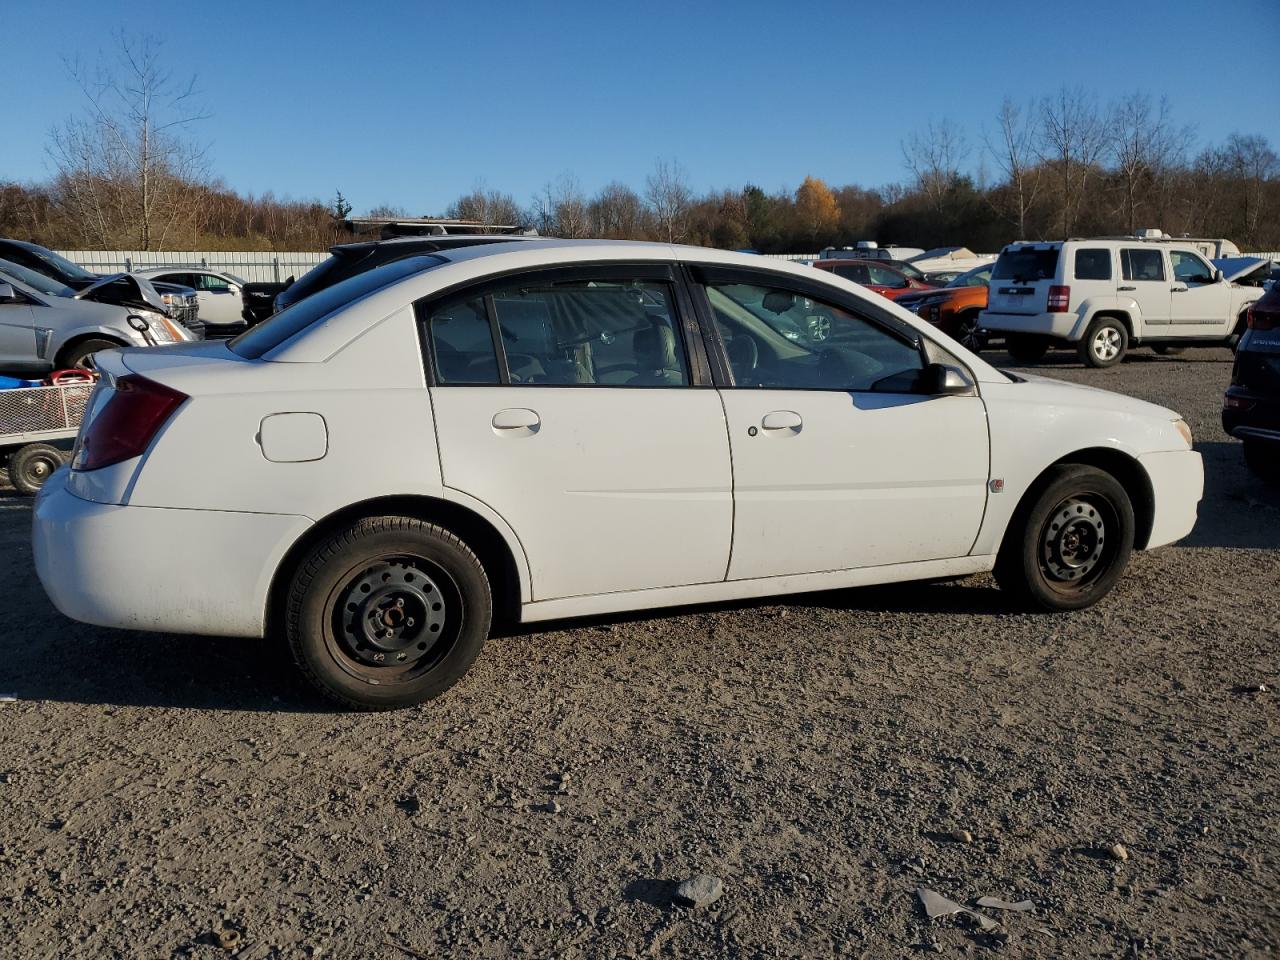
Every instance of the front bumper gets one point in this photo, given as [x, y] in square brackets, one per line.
[1177, 486]
[151, 568]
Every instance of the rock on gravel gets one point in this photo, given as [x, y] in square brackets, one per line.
[699, 891]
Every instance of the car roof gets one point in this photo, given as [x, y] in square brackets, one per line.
[429, 243]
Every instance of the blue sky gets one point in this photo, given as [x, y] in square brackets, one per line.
[412, 104]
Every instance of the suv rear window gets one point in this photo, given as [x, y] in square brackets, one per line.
[268, 335]
[1093, 264]
[1026, 264]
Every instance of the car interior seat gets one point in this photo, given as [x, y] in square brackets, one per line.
[655, 350]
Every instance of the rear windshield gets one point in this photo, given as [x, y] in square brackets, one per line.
[1026, 265]
[265, 337]
[317, 278]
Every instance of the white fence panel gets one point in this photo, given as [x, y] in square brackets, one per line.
[248, 265]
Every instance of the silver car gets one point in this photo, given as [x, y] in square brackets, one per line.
[46, 325]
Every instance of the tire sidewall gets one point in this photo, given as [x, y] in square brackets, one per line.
[309, 620]
[21, 460]
[76, 356]
[1086, 346]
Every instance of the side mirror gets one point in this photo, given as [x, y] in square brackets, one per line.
[944, 380]
[1218, 276]
[8, 294]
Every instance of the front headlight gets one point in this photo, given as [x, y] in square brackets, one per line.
[1185, 431]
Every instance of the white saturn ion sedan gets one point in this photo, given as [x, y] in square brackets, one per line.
[520, 432]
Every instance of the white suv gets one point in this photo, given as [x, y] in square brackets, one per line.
[552, 429]
[1105, 295]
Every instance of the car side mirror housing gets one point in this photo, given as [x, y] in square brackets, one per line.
[1218, 276]
[8, 294]
[945, 380]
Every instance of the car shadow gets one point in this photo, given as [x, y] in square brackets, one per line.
[1238, 510]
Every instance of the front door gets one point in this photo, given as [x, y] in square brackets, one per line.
[566, 401]
[1200, 303]
[1145, 280]
[17, 339]
[838, 461]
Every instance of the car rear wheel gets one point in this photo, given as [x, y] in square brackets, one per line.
[1263, 460]
[81, 354]
[32, 465]
[969, 334]
[1067, 545]
[1025, 348]
[1105, 343]
[388, 613]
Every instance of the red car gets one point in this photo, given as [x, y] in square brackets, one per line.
[883, 279]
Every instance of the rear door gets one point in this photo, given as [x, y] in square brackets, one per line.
[576, 404]
[1145, 278]
[838, 460]
[1021, 280]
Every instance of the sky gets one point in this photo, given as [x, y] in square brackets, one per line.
[413, 104]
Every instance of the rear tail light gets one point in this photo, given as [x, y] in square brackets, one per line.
[1262, 319]
[125, 427]
[1059, 299]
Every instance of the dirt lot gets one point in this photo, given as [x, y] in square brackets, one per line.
[816, 754]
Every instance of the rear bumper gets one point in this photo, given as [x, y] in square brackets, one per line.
[150, 568]
[1248, 414]
[1060, 326]
[1177, 486]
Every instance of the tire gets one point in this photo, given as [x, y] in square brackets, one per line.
[1104, 343]
[1025, 348]
[969, 334]
[32, 465]
[1165, 350]
[1263, 460]
[81, 354]
[1068, 542]
[432, 634]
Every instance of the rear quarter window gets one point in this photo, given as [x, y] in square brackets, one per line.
[1026, 265]
[1093, 264]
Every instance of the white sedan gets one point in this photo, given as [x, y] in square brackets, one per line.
[561, 428]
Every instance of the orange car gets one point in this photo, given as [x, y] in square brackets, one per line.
[954, 309]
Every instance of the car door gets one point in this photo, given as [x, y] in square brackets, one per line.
[1200, 303]
[839, 460]
[18, 353]
[1145, 280]
[219, 299]
[566, 401]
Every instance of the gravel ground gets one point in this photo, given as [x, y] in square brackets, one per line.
[823, 756]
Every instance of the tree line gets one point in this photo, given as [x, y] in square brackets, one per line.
[130, 174]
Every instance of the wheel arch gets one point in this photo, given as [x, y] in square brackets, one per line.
[508, 575]
[1126, 469]
[1114, 313]
[81, 337]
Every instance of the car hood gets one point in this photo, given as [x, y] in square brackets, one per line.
[1080, 395]
[124, 290]
[1236, 269]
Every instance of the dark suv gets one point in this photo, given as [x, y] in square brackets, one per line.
[350, 259]
[1251, 407]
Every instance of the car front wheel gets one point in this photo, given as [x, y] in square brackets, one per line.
[388, 613]
[1066, 548]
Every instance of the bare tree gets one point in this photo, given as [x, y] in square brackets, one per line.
[670, 199]
[1143, 144]
[1013, 151]
[489, 207]
[934, 157]
[124, 166]
[618, 213]
[1072, 138]
[1251, 163]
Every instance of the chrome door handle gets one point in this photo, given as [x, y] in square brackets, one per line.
[1126, 288]
[780, 420]
[516, 421]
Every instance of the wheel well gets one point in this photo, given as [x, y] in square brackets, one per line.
[1125, 469]
[81, 338]
[474, 530]
[1115, 315]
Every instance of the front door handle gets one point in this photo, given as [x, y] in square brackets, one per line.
[782, 421]
[516, 421]
[1178, 289]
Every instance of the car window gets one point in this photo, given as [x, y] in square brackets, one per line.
[461, 341]
[182, 279]
[604, 333]
[208, 281]
[35, 279]
[884, 277]
[775, 338]
[1093, 264]
[271, 333]
[1026, 264]
[1189, 268]
[1142, 264]
[857, 272]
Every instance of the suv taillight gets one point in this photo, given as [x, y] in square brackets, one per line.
[125, 427]
[1059, 299]
[1262, 319]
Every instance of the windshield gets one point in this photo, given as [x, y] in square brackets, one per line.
[978, 277]
[909, 270]
[64, 266]
[237, 280]
[37, 281]
[1026, 264]
[265, 337]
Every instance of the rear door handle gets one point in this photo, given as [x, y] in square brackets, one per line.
[782, 420]
[517, 421]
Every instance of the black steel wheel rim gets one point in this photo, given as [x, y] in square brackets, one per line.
[393, 619]
[1076, 543]
[40, 467]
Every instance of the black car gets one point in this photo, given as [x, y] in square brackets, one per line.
[1251, 407]
[182, 303]
[350, 259]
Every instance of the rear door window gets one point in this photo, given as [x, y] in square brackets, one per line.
[461, 339]
[1142, 264]
[1026, 265]
[1093, 264]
